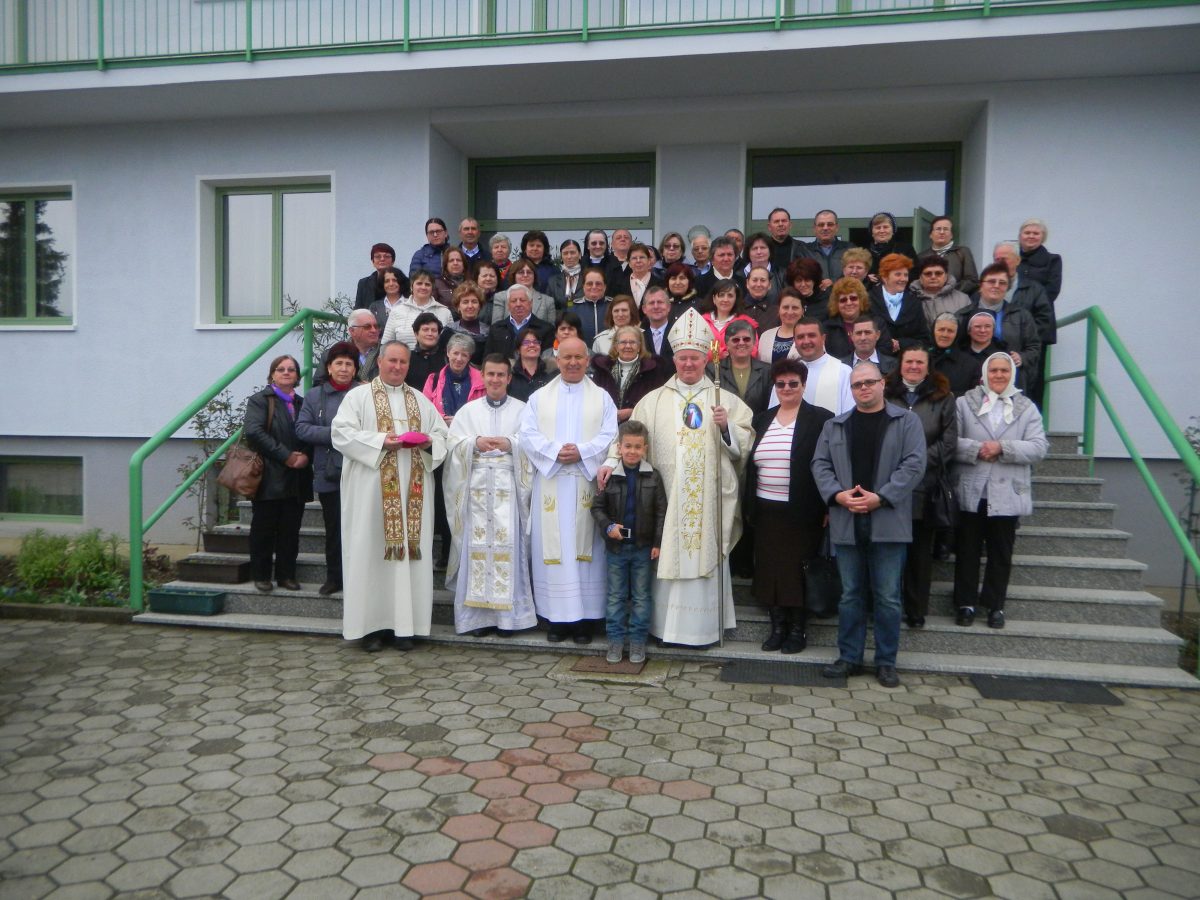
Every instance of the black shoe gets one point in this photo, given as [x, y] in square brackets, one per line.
[373, 642]
[887, 677]
[330, 587]
[916, 621]
[797, 637]
[841, 669]
[265, 586]
[289, 584]
[965, 617]
[583, 633]
[778, 629]
[503, 632]
[556, 633]
[403, 644]
[996, 618]
[481, 632]
[941, 552]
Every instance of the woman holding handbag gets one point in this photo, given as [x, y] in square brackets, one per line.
[269, 429]
[784, 504]
[914, 386]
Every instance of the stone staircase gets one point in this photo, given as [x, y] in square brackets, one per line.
[1075, 608]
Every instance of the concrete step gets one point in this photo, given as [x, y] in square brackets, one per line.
[1064, 441]
[1057, 487]
[1064, 464]
[213, 568]
[1064, 604]
[910, 660]
[1053, 541]
[312, 514]
[1072, 641]
[235, 538]
[1067, 514]
[1064, 571]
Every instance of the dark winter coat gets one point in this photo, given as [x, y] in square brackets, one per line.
[806, 507]
[935, 408]
[1043, 267]
[652, 374]
[910, 327]
[313, 427]
[275, 446]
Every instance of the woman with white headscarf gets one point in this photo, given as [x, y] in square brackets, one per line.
[1000, 437]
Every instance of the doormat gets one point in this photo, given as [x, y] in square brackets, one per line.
[594, 668]
[1048, 690]
[761, 671]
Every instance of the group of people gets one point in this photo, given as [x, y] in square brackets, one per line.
[591, 439]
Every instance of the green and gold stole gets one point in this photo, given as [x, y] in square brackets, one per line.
[389, 478]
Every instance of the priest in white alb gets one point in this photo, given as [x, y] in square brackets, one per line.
[391, 438]
[487, 503]
[828, 383]
[700, 439]
[566, 431]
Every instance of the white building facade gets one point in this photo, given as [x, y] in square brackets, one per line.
[182, 203]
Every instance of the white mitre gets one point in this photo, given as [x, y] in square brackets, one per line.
[691, 332]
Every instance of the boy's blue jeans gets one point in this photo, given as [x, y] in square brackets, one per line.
[628, 577]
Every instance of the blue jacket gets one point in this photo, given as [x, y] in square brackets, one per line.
[428, 258]
[899, 472]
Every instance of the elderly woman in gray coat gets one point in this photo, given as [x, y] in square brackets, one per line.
[1000, 438]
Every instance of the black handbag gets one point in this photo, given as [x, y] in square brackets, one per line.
[822, 582]
[941, 504]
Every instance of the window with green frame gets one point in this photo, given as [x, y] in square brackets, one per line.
[41, 487]
[274, 243]
[913, 182]
[37, 247]
[564, 196]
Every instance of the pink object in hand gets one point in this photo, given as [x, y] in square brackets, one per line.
[413, 439]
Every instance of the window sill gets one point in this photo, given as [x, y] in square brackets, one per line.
[34, 326]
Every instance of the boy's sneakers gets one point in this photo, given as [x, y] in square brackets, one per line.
[614, 652]
[637, 652]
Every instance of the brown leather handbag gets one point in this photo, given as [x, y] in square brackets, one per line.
[243, 469]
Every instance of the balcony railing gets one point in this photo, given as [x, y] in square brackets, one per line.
[69, 34]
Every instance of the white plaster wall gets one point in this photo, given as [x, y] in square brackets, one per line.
[1111, 165]
[447, 182]
[699, 184]
[136, 355]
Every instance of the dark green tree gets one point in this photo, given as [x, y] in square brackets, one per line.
[50, 267]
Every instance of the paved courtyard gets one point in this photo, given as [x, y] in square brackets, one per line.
[140, 761]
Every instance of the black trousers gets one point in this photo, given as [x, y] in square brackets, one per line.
[441, 523]
[331, 512]
[275, 532]
[918, 569]
[975, 531]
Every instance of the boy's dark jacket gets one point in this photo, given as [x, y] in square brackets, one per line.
[608, 507]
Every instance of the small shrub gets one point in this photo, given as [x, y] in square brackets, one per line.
[42, 559]
[93, 563]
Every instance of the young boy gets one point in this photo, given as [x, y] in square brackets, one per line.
[631, 512]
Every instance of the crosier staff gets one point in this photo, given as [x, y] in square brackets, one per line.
[714, 357]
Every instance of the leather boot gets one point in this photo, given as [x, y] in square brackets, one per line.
[778, 627]
[797, 636]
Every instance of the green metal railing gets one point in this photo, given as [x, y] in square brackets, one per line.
[139, 526]
[77, 34]
[1098, 326]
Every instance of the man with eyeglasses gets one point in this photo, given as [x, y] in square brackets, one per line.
[364, 334]
[429, 256]
[867, 463]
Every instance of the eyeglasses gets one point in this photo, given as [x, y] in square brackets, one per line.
[435, 230]
[374, 326]
[537, 344]
[786, 385]
[1003, 282]
[382, 256]
[286, 369]
[865, 383]
[740, 340]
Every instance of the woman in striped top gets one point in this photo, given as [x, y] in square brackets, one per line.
[783, 504]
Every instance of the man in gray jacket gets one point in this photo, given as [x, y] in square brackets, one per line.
[867, 463]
